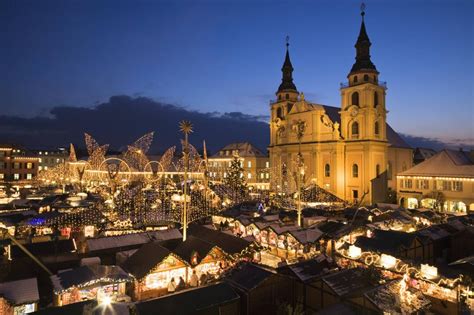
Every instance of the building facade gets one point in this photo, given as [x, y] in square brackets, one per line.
[49, 158]
[255, 164]
[17, 166]
[349, 150]
[443, 182]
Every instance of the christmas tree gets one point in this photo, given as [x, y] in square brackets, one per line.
[235, 180]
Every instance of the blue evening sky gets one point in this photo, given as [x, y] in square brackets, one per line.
[226, 55]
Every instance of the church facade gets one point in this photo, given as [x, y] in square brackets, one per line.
[349, 150]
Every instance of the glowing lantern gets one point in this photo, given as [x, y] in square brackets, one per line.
[388, 261]
[354, 251]
[429, 272]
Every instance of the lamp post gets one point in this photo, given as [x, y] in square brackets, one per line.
[186, 128]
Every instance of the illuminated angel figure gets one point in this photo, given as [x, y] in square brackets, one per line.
[96, 152]
[135, 156]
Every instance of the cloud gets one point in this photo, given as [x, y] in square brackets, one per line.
[437, 143]
[123, 119]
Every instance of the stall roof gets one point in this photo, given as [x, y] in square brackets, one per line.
[334, 229]
[186, 249]
[308, 270]
[228, 243]
[306, 236]
[248, 276]
[145, 259]
[349, 282]
[45, 248]
[203, 299]
[388, 241]
[103, 243]
[20, 291]
[84, 274]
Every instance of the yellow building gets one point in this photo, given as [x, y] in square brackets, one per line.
[349, 150]
[255, 164]
[443, 182]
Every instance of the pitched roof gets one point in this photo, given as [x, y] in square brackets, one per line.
[45, 248]
[85, 274]
[102, 243]
[446, 163]
[186, 249]
[388, 241]
[246, 149]
[310, 269]
[228, 243]
[203, 299]
[348, 282]
[145, 259]
[20, 291]
[248, 276]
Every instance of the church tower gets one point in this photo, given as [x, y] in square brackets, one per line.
[363, 126]
[363, 113]
[287, 95]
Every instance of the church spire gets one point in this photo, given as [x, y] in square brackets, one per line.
[287, 70]
[363, 62]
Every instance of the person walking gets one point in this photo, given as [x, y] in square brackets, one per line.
[171, 286]
[194, 282]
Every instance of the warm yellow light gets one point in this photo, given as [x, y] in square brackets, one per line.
[388, 261]
[429, 272]
[354, 251]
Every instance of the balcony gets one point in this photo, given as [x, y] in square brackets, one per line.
[382, 84]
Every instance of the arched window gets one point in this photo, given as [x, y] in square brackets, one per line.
[377, 128]
[327, 170]
[355, 170]
[355, 98]
[355, 79]
[389, 170]
[355, 129]
[376, 98]
[279, 113]
[377, 170]
[287, 96]
[366, 77]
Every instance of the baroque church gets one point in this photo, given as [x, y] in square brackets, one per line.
[349, 150]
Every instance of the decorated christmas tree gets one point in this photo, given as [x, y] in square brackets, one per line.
[235, 180]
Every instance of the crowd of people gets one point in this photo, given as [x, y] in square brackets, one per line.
[194, 281]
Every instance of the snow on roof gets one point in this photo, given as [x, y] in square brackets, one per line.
[446, 163]
[20, 291]
[131, 239]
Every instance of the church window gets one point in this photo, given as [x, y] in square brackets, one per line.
[289, 106]
[376, 98]
[279, 113]
[279, 97]
[377, 170]
[366, 77]
[377, 128]
[355, 98]
[355, 129]
[389, 170]
[355, 79]
[287, 96]
[327, 170]
[355, 170]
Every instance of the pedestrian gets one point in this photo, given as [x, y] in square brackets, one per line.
[181, 284]
[171, 286]
[194, 282]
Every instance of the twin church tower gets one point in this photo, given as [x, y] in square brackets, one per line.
[349, 150]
